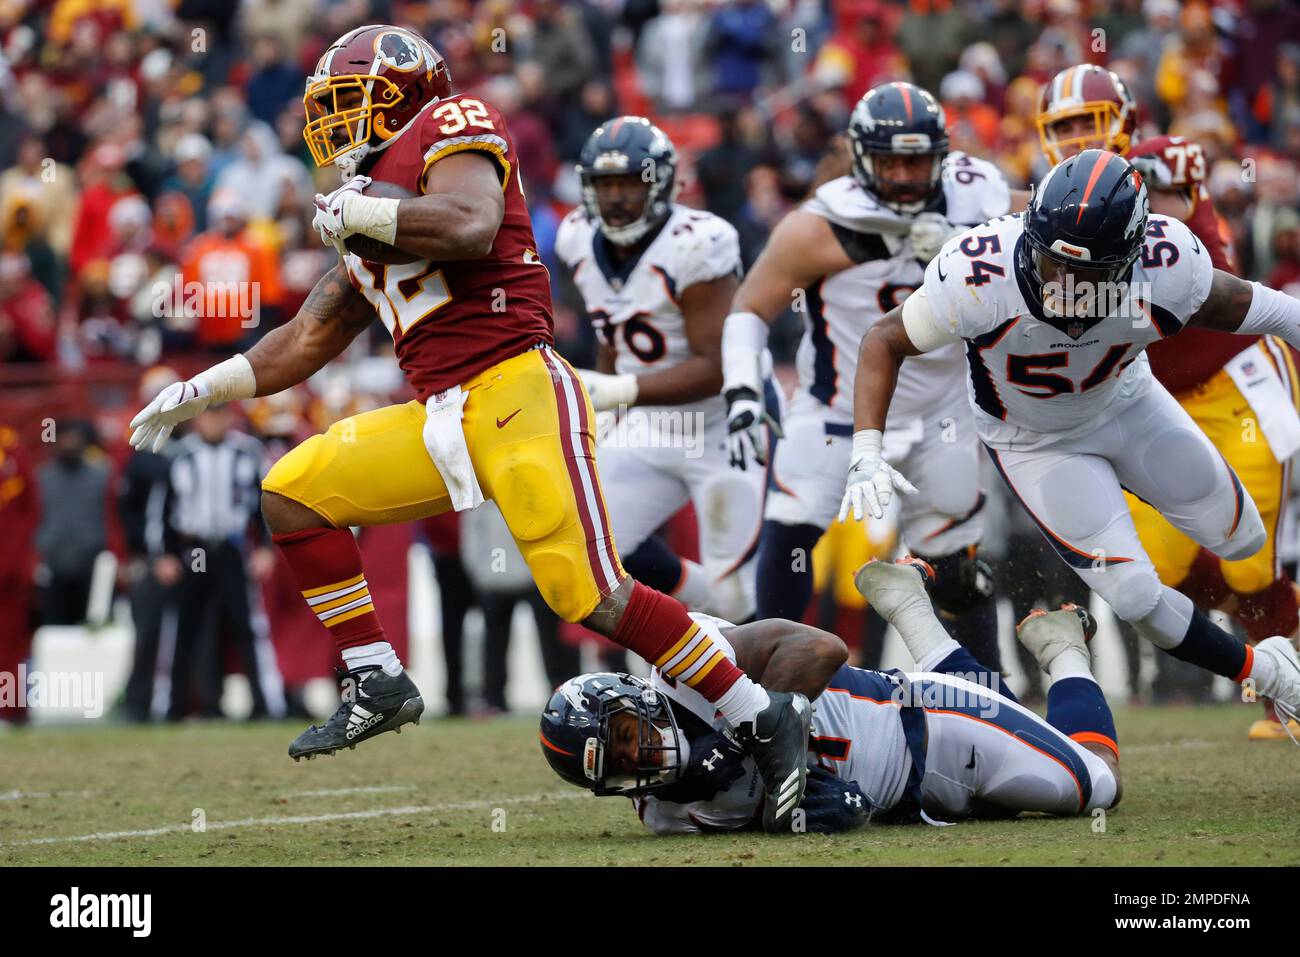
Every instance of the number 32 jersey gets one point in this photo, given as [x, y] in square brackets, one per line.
[1032, 381]
[452, 320]
[635, 305]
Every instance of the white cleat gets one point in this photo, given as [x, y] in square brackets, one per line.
[891, 587]
[1283, 686]
[1048, 633]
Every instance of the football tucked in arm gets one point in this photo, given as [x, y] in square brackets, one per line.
[372, 249]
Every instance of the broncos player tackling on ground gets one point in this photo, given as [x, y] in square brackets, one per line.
[944, 743]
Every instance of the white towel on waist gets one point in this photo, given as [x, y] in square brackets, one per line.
[444, 438]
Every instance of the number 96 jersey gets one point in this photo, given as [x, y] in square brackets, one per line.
[635, 305]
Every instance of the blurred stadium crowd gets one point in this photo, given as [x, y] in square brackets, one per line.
[153, 147]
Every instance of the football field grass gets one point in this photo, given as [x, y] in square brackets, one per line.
[463, 792]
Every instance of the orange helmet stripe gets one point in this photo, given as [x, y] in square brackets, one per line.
[1092, 182]
[559, 750]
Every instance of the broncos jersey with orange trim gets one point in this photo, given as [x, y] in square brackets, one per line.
[452, 320]
[635, 304]
[1032, 382]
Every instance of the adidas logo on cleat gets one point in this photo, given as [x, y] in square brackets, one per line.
[361, 720]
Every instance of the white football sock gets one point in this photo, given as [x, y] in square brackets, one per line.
[932, 658]
[376, 654]
[742, 701]
[1070, 663]
[921, 632]
[1263, 670]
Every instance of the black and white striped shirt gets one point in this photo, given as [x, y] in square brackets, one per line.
[212, 493]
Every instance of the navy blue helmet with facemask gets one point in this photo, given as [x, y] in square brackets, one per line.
[896, 119]
[575, 734]
[1086, 222]
[629, 145]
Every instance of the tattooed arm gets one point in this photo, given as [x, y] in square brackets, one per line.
[333, 315]
[327, 322]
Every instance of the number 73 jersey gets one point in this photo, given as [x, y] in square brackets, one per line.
[1032, 377]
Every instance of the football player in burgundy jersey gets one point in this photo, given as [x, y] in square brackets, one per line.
[1241, 391]
[499, 413]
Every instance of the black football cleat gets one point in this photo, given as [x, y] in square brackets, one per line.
[777, 740]
[378, 702]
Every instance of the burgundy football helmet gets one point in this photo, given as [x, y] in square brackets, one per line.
[366, 90]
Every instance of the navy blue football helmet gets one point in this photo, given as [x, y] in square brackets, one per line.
[629, 145]
[1085, 225]
[898, 119]
[575, 734]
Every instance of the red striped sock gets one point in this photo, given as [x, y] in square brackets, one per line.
[326, 564]
[660, 631]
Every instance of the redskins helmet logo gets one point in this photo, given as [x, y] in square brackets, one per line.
[398, 51]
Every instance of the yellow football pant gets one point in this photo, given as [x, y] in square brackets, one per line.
[528, 427]
[1226, 418]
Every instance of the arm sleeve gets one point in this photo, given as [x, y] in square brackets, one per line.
[924, 330]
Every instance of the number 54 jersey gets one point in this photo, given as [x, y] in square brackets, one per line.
[1034, 378]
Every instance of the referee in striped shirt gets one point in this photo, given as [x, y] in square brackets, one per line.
[208, 529]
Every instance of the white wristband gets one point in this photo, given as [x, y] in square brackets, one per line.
[371, 216]
[866, 442]
[623, 389]
[232, 379]
[744, 338]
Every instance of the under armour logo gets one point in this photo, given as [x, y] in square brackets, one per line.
[713, 759]
[852, 800]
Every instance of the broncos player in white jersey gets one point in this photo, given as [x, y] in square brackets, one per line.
[1053, 308]
[944, 743]
[657, 279]
[849, 255]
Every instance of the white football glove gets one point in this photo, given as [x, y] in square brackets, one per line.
[330, 220]
[872, 480]
[748, 422]
[173, 405]
[1155, 171]
[609, 391]
[929, 232]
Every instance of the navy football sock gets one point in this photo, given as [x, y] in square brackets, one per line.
[784, 570]
[1077, 708]
[1210, 647]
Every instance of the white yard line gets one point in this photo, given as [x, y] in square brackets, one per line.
[301, 819]
[333, 792]
[27, 795]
